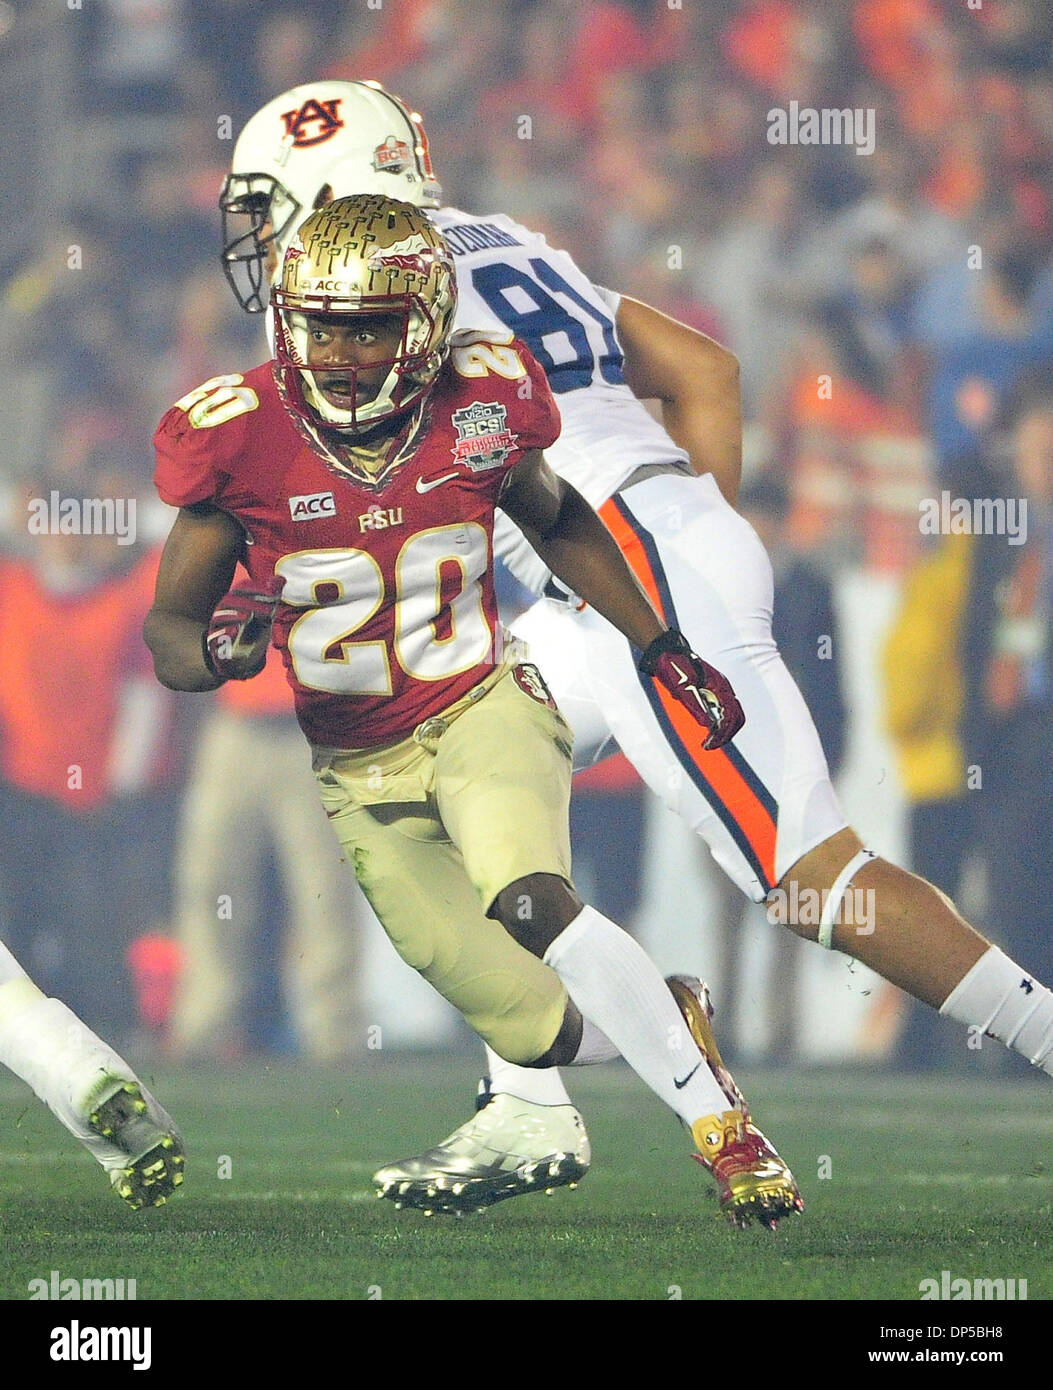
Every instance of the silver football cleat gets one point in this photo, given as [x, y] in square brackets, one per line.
[509, 1146]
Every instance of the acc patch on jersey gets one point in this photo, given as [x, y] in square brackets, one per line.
[315, 504]
[483, 437]
[528, 678]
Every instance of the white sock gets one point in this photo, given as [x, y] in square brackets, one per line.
[45, 1044]
[9, 967]
[595, 1046]
[1000, 998]
[540, 1085]
[616, 985]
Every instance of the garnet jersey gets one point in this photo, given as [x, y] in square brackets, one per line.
[388, 612]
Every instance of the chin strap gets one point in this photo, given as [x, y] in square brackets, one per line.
[840, 885]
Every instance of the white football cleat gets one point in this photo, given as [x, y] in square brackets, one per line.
[136, 1141]
[93, 1092]
[125, 1130]
[508, 1147]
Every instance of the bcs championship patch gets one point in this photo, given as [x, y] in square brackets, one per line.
[528, 678]
[392, 156]
[483, 437]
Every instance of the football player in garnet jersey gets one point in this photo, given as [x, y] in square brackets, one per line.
[357, 482]
[765, 805]
[92, 1090]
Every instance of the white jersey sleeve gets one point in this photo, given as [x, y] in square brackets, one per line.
[611, 298]
[508, 277]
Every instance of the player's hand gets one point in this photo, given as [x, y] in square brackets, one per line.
[239, 633]
[697, 685]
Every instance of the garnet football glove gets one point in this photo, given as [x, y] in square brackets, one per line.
[236, 640]
[697, 685]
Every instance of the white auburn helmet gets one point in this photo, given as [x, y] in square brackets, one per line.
[364, 255]
[352, 137]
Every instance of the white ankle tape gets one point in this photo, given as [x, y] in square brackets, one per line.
[837, 892]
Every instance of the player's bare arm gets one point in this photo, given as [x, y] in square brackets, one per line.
[578, 548]
[697, 383]
[196, 569]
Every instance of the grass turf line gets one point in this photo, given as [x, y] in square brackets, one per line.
[925, 1176]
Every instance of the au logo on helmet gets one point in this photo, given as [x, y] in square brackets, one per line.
[315, 122]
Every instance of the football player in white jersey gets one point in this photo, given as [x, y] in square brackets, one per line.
[92, 1090]
[764, 804]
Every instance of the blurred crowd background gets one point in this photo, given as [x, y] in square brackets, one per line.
[893, 316]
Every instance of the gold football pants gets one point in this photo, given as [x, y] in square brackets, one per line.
[437, 825]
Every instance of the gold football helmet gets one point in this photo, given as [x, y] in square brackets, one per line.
[364, 255]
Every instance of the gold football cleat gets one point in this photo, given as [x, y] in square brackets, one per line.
[752, 1180]
[692, 999]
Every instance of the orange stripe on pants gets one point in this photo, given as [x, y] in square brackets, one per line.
[726, 782]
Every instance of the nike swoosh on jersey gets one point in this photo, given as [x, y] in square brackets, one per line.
[423, 486]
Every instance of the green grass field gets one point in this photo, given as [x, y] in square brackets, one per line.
[925, 1176]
